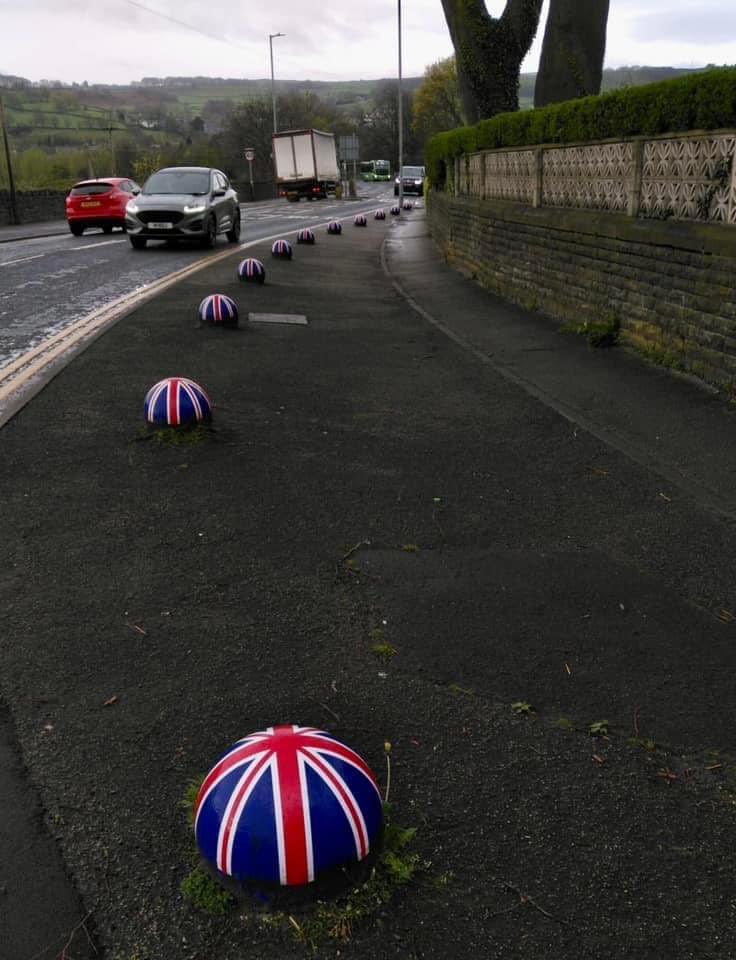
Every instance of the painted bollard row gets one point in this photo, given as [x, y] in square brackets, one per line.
[287, 804]
[179, 401]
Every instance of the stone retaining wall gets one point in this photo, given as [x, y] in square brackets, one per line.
[33, 205]
[670, 285]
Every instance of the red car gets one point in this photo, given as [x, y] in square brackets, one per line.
[99, 203]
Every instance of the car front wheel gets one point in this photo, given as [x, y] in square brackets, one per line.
[233, 236]
[210, 236]
[138, 243]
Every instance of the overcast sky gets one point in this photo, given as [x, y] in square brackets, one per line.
[116, 41]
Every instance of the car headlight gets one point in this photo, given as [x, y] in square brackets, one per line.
[417, 183]
[131, 207]
[194, 208]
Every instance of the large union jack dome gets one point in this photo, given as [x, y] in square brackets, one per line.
[286, 804]
[251, 270]
[305, 236]
[176, 402]
[379, 215]
[219, 310]
[334, 226]
[360, 220]
[395, 210]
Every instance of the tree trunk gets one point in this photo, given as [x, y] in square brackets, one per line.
[572, 52]
[489, 51]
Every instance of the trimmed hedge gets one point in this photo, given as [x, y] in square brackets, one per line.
[703, 101]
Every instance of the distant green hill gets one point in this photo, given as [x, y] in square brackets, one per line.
[57, 113]
[53, 119]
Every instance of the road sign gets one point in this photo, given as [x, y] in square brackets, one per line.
[349, 148]
[250, 153]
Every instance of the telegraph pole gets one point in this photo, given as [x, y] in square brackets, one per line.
[401, 123]
[14, 218]
[112, 149]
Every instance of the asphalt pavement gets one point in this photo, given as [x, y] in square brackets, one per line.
[425, 517]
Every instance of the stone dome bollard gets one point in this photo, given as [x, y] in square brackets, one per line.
[408, 205]
[285, 805]
[305, 236]
[360, 220]
[334, 226]
[281, 250]
[251, 271]
[395, 210]
[177, 402]
[379, 215]
[219, 310]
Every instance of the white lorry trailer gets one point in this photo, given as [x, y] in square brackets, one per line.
[306, 164]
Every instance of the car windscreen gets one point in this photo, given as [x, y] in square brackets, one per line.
[415, 172]
[178, 181]
[90, 189]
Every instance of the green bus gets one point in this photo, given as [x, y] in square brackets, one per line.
[381, 170]
[373, 170]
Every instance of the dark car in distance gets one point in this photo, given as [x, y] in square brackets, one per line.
[99, 203]
[412, 181]
[184, 203]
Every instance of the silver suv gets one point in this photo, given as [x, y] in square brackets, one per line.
[184, 203]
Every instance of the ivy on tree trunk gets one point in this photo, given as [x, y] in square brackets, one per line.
[489, 52]
[572, 51]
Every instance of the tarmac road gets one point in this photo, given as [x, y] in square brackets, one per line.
[507, 552]
[48, 281]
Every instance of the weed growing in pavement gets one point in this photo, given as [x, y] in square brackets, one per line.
[603, 333]
[564, 723]
[395, 867]
[178, 436]
[202, 890]
[410, 548]
[457, 689]
[599, 728]
[385, 651]
[649, 745]
[190, 798]
[522, 707]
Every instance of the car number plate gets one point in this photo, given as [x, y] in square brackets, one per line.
[91, 203]
[161, 226]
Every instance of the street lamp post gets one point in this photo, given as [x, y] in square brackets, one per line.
[271, 38]
[401, 124]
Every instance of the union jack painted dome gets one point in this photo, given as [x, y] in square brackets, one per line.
[176, 402]
[334, 226]
[408, 205]
[281, 249]
[251, 270]
[379, 215]
[305, 236]
[219, 310]
[360, 220]
[395, 210]
[285, 804]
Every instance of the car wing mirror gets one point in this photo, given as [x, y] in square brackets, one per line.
[219, 192]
